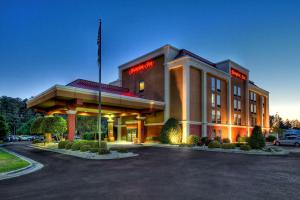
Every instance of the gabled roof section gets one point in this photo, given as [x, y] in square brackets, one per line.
[91, 85]
[184, 52]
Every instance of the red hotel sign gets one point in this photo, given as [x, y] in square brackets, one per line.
[238, 74]
[141, 67]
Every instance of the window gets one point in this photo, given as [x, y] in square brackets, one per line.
[218, 117]
[234, 90]
[213, 116]
[141, 86]
[235, 119]
[213, 84]
[239, 105]
[251, 107]
[254, 108]
[239, 119]
[218, 100]
[254, 97]
[235, 104]
[213, 100]
[218, 85]
[239, 91]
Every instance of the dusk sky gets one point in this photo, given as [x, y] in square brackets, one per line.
[43, 43]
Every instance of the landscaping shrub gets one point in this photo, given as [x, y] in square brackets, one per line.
[242, 139]
[152, 138]
[171, 132]
[245, 147]
[75, 147]
[271, 138]
[225, 140]
[62, 144]
[205, 141]
[228, 146]
[257, 140]
[84, 148]
[214, 144]
[239, 144]
[94, 150]
[218, 138]
[88, 136]
[103, 151]
[193, 139]
[69, 145]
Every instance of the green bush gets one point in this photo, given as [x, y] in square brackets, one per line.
[54, 125]
[103, 151]
[171, 132]
[225, 140]
[62, 144]
[271, 138]
[84, 148]
[242, 139]
[94, 150]
[35, 141]
[25, 127]
[214, 144]
[228, 146]
[75, 147]
[205, 140]
[193, 139]
[257, 140]
[152, 138]
[245, 147]
[69, 145]
[88, 136]
[239, 144]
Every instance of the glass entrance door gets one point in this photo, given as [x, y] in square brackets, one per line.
[131, 134]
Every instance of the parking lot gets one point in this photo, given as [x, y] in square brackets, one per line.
[157, 173]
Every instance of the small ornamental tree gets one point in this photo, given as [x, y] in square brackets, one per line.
[36, 126]
[257, 140]
[53, 125]
[3, 127]
[171, 132]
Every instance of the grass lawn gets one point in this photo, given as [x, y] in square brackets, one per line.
[9, 162]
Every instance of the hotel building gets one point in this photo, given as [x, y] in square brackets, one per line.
[208, 99]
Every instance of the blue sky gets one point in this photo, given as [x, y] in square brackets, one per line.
[43, 43]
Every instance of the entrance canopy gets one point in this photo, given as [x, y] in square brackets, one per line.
[82, 96]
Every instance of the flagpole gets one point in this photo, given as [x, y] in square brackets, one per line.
[99, 67]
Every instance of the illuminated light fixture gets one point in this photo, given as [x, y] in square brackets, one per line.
[141, 67]
[238, 74]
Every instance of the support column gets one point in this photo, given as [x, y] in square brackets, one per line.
[119, 129]
[71, 124]
[186, 103]
[261, 106]
[229, 109]
[204, 104]
[141, 128]
[247, 109]
[110, 129]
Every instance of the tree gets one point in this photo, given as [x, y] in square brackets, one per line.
[3, 127]
[25, 128]
[53, 125]
[287, 124]
[36, 126]
[171, 132]
[257, 140]
[88, 124]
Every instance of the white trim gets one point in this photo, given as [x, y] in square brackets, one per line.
[204, 102]
[104, 94]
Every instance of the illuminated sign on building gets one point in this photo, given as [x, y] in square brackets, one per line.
[141, 67]
[238, 74]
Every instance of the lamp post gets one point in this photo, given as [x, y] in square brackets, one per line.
[99, 88]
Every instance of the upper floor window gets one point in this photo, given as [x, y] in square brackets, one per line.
[238, 91]
[213, 83]
[218, 100]
[235, 104]
[239, 105]
[141, 86]
[239, 119]
[213, 100]
[252, 96]
[218, 85]
[213, 116]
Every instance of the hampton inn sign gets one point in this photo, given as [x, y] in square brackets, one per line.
[209, 99]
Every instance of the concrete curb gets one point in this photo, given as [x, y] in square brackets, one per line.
[237, 151]
[91, 156]
[32, 167]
